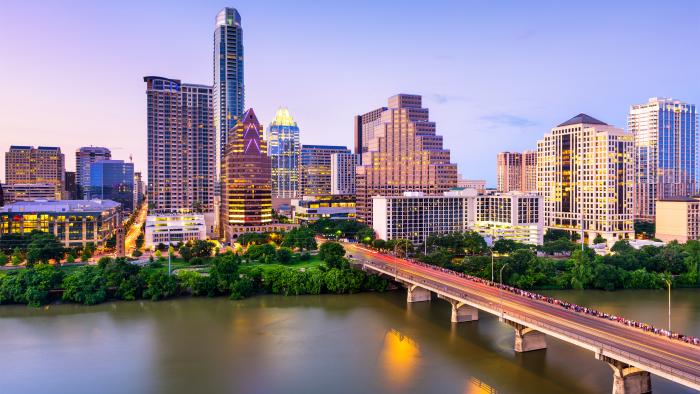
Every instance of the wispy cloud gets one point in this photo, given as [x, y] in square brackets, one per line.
[445, 98]
[503, 119]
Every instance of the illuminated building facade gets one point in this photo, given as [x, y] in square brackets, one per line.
[229, 92]
[83, 158]
[665, 143]
[113, 180]
[29, 192]
[173, 228]
[364, 128]
[312, 208]
[404, 153]
[343, 172]
[517, 216]
[477, 184]
[585, 172]
[246, 184]
[678, 219]
[26, 164]
[510, 169]
[316, 168]
[73, 222]
[285, 153]
[529, 172]
[181, 145]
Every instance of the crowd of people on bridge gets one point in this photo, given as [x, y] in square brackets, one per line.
[567, 305]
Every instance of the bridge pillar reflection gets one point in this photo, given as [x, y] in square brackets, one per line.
[626, 378]
[417, 294]
[526, 338]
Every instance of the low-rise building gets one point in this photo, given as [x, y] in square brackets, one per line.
[415, 216]
[678, 219]
[172, 228]
[30, 192]
[312, 208]
[478, 184]
[73, 222]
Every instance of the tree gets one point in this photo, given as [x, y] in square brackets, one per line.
[647, 230]
[86, 286]
[224, 271]
[555, 234]
[259, 252]
[140, 240]
[692, 260]
[474, 243]
[44, 247]
[202, 248]
[599, 239]
[672, 258]
[284, 255]
[247, 239]
[17, 257]
[3, 258]
[160, 285]
[379, 244]
[332, 253]
[622, 246]
[301, 238]
[365, 235]
[186, 253]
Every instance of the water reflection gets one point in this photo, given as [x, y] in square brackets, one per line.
[476, 386]
[399, 358]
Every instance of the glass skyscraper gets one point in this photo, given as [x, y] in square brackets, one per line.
[285, 153]
[83, 158]
[229, 93]
[665, 142]
[113, 180]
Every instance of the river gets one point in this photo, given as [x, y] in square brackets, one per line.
[364, 343]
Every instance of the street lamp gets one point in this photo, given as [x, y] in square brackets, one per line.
[668, 283]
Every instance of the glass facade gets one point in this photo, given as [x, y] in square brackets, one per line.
[316, 168]
[84, 157]
[285, 153]
[113, 180]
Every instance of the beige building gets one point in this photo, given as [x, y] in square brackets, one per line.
[516, 172]
[477, 184]
[404, 154]
[529, 171]
[30, 192]
[27, 165]
[585, 172]
[678, 219]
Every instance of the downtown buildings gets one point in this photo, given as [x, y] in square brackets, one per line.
[517, 171]
[343, 167]
[585, 174]
[28, 166]
[181, 145]
[83, 158]
[113, 180]
[665, 142]
[401, 152]
[316, 168]
[285, 153]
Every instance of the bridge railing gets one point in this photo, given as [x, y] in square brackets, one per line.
[537, 324]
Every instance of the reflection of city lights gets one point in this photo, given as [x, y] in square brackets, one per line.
[399, 357]
[476, 386]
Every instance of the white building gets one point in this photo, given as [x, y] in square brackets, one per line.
[343, 172]
[312, 208]
[173, 228]
[516, 216]
[585, 172]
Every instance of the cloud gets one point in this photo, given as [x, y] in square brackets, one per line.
[503, 119]
[445, 98]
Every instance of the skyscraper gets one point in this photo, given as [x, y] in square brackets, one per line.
[509, 171]
[343, 172]
[229, 92]
[585, 175]
[113, 180]
[29, 165]
[246, 185]
[404, 153]
[364, 127]
[665, 141]
[181, 145]
[316, 168]
[83, 158]
[285, 153]
[528, 181]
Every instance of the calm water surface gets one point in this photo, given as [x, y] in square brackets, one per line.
[366, 343]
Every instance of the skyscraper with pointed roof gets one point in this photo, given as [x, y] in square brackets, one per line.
[285, 153]
[246, 176]
[585, 173]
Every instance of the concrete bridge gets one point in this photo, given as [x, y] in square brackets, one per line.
[632, 353]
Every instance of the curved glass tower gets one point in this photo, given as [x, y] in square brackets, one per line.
[285, 152]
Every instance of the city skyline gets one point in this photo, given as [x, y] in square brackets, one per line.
[486, 107]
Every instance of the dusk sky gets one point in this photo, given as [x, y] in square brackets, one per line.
[495, 77]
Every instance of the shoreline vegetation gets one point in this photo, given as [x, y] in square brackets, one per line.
[291, 263]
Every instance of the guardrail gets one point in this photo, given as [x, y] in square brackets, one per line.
[612, 351]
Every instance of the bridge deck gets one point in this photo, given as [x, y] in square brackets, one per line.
[671, 359]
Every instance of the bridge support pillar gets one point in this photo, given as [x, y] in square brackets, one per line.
[417, 294]
[527, 339]
[626, 378]
[462, 312]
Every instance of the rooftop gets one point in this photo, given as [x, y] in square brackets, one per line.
[582, 118]
[60, 206]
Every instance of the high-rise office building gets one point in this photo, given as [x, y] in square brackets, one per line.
[528, 181]
[316, 168]
[83, 158]
[246, 184]
[510, 171]
[364, 127]
[229, 92]
[404, 153]
[665, 141]
[113, 180]
[285, 152]
[343, 166]
[27, 165]
[139, 188]
[181, 145]
[585, 174]
[70, 186]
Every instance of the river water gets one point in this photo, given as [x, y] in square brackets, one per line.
[365, 343]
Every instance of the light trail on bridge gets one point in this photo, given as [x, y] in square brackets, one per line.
[669, 358]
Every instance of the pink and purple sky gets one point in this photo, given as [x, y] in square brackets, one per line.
[496, 76]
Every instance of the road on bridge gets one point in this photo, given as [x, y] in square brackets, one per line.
[668, 353]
